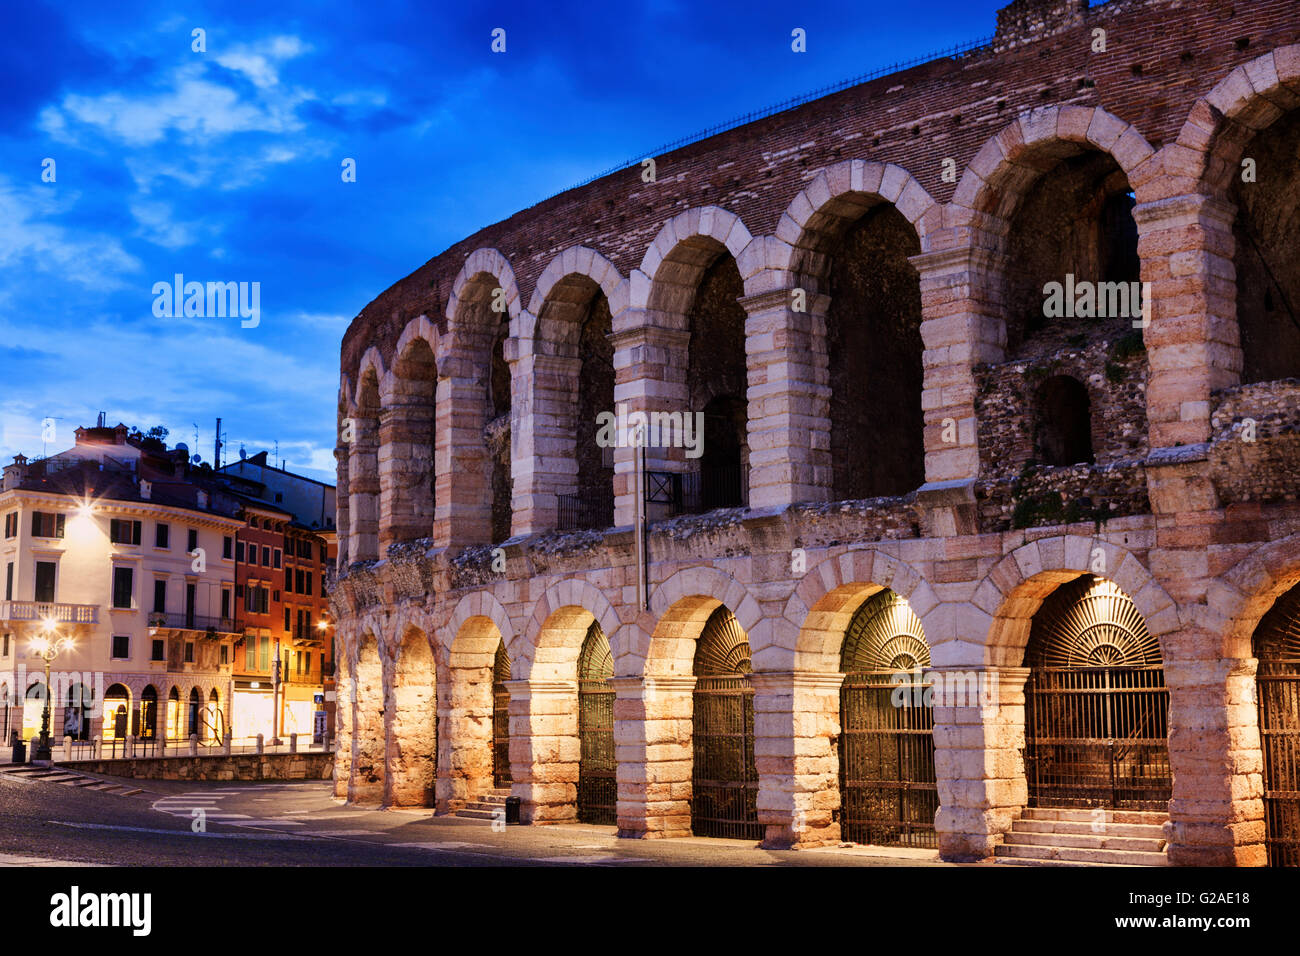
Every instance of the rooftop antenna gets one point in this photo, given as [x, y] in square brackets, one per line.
[216, 448]
[99, 423]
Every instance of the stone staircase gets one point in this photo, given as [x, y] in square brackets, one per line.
[1046, 837]
[68, 778]
[490, 805]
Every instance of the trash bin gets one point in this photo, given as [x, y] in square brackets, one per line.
[512, 810]
[20, 752]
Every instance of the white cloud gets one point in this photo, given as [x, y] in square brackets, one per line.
[260, 61]
[159, 227]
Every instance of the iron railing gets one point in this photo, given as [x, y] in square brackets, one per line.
[695, 492]
[724, 781]
[41, 610]
[500, 737]
[1098, 737]
[1279, 732]
[124, 748]
[597, 770]
[585, 510]
[888, 787]
[186, 621]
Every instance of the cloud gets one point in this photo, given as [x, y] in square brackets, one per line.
[260, 62]
[158, 226]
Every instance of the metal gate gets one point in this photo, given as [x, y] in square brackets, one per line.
[888, 790]
[724, 778]
[1277, 645]
[1096, 705]
[500, 718]
[597, 778]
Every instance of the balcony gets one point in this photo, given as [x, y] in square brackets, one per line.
[43, 610]
[185, 621]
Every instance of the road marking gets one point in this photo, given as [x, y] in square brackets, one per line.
[270, 823]
[448, 845]
[599, 859]
[13, 859]
[339, 833]
[180, 833]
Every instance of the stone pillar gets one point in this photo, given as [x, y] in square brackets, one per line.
[366, 784]
[1193, 346]
[649, 375]
[465, 736]
[544, 437]
[343, 717]
[789, 399]
[342, 511]
[411, 743]
[652, 744]
[961, 326]
[978, 757]
[363, 490]
[463, 514]
[1216, 816]
[544, 749]
[405, 462]
[796, 722]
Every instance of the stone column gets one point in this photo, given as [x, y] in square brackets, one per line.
[961, 326]
[465, 732]
[789, 398]
[979, 742]
[363, 490]
[463, 512]
[1216, 816]
[1193, 346]
[652, 744]
[368, 737]
[411, 743]
[343, 718]
[649, 375]
[544, 749]
[544, 436]
[405, 462]
[796, 722]
[342, 523]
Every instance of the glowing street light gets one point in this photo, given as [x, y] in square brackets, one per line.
[48, 645]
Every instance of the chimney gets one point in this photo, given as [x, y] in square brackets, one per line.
[146, 489]
[16, 473]
[203, 499]
[1024, 21]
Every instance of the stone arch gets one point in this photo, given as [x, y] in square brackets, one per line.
[467, 288]
[675, 261]
[825, 600]
[576, 261]
[1244, 594]
[363, 461]
[372, 362]
[408, 438]
[1011, 593]
[554, 634]
[411, 720]
[681, 606]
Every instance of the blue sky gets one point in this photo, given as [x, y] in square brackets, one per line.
[224, 165]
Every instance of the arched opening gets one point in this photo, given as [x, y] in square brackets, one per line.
[33, 711]
[1063, 433]
[194, 717]
[888, 786]
[414, 731]
[117, 708]
[149, 713]
[1074, 227]
[173, 727]
[724, 779]
[1276, 644]
[79, 703]
[1096, 706]
[407, 469]
[363, 472]
[597, 769]
[717, 380]
[500, 717]
[1267, 255]
[873, 346]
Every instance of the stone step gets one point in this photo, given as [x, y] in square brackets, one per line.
[1080, 855]
[1154, 817]
[1097, 841]
[476, 814]
[1149, 831]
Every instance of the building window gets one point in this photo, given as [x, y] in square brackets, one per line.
[45, 582]
[250, 653]
[266, 556]
[189, 652]
[227, 546]
[5, 651]
[225, 602]
[239, 590]
[46, 525]
[192, 543]
[122, 531]
[322, 586]
[123, 587]
[121, 646]
[239, 551]
[162, 535]
[9, 581]
[275, 597]
[225, 655]
[277, 557]
[256, 600]
[286, 619]
[297, 581]
[264, 652]
[279, 497]
[309, 587]
[288, 580]
[159, 650]
[160, 596]
[252, 553]
[11, 524]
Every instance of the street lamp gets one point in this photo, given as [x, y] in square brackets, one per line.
[47, 647]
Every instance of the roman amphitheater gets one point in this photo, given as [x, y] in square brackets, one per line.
[947, 572]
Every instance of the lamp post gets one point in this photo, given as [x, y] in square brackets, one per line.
[47, 647]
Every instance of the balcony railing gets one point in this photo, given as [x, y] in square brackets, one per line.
[184, 621]
[717, 486]
[589, 510]
[41, 610]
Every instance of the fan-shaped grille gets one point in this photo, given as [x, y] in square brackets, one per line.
[723, 647]
[501, 665]
[884, 635]
[1277, 638]
[1090, 623]
[595, 661]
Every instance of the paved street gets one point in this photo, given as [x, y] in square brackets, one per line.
[300, 823]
